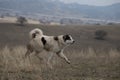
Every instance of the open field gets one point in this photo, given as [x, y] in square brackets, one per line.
[91, 59]
[84, 66]
[14, 35]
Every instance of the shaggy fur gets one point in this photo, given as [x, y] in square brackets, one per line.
[52, 44]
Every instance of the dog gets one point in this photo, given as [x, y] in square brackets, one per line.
[52, 44]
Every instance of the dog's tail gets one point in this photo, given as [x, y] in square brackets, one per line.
[35, 32]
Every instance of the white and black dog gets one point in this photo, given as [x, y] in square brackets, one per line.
[52, 44]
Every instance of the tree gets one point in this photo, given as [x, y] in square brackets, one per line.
[100, 34]
[21, 20]
[1, 16]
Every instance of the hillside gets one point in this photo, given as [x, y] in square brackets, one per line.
[57, 8]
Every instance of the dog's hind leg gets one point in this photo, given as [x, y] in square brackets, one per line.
[61, 54]
[29, 50]
[37, 55]
[27, 53]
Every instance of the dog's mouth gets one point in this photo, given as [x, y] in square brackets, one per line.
[72, 42]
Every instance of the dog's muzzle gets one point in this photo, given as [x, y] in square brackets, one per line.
[73, 42]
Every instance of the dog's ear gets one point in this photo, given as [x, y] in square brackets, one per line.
[66, 37]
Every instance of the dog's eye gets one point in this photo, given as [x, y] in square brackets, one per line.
[68, 37]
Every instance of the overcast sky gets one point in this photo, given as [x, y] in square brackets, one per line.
[93, 2]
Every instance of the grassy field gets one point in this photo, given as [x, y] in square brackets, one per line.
[14, 35]
[91, 59]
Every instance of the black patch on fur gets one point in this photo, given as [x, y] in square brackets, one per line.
[43, 40]
[66, 37]
[56, 38]
[33, 35]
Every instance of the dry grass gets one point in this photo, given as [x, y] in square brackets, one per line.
[91, 59]
[14, 19]
[86, 65]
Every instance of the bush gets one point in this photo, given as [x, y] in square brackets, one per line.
[110, 23]
[100, 34]
[21, 20]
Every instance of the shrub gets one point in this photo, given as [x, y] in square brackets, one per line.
[21, 20]
[110, 23]
[100, 34]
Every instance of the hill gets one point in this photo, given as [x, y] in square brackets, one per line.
[57, 8]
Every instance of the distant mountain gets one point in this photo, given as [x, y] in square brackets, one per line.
[54, 7]
[100, 12]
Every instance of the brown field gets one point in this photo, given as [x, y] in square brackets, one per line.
[14, 19]
[91, 59]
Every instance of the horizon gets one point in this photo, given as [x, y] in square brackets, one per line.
[85, 2]
[92, 2]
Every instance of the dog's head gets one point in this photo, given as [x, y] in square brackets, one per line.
[68, 39]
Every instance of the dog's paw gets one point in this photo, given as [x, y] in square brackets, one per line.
[68, 62]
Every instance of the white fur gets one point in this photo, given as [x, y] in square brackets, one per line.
[36, 30]
[52, 46]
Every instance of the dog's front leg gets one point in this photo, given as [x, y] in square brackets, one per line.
[61, 54]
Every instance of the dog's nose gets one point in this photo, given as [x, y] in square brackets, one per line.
[73, 41]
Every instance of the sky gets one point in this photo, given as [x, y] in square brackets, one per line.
[93, 2]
